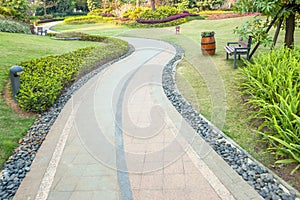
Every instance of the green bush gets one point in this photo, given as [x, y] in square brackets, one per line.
[134, 24]
[93, 38]
[96, 12]
[135, 13]
[160, 13]
[44, 78]
[146, 13]
[70, 35]
[13, 27]
[9, 13]
[273, 86]
[86, 20]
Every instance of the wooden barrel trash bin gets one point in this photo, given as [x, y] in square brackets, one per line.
[208, 43]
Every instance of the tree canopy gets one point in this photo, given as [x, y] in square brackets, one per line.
[280, 13]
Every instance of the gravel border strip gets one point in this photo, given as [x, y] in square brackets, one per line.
[18, 164]
[263, 180]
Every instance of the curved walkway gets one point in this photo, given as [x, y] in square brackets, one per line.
[119, 137]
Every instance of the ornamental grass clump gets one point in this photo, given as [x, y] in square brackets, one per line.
[271, 83]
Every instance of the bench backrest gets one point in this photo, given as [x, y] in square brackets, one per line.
[39, 29]
[245, 43]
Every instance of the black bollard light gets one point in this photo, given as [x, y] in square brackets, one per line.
[14, 73]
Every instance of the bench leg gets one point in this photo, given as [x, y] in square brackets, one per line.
[239, 56]
[234, 62]
[226, 56]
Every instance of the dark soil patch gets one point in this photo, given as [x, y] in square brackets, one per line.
[283, 171]
[13, 105]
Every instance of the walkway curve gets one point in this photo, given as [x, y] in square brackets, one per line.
[119, 137]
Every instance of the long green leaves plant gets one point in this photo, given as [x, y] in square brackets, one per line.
[272, 84]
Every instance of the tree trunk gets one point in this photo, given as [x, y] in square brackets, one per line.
[276, 33]
[45, 7]
[153, 5]
[290, 29]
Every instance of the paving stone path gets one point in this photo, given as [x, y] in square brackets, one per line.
[119, 137]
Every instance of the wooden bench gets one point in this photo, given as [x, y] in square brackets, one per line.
[41, 31]
[242, 47]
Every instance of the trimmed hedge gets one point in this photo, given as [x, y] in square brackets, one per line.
[44, 78]
[168, 19]
[87, 19]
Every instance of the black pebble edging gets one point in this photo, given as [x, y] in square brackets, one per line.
[257, 176]
[18, 164]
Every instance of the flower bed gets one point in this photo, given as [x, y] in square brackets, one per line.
[231, 15]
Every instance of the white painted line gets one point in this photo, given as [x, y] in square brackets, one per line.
[48, 178]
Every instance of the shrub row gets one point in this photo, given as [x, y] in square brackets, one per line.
[13, 26]
[168, 19]
[102, 12]
[161, 12]
[272, 85]
[134, 24]
[87, 19]
[44, 78]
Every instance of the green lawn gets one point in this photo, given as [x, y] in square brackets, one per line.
[97, 29]
[15, 48]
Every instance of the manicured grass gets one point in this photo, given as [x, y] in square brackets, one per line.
[15, 48]
[105, 29]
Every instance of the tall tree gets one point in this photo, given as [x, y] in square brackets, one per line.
[48, 4]
[275, 10]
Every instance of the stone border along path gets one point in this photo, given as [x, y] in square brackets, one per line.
[19, 163]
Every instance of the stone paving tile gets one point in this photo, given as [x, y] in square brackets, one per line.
[97, 170]
[152, 182]
[190, 168]
[96, 183]
[80, 195]
[66, 184]
[175, 194]
[135, 181]
[106, 195]
[174, 181]
[174, 168]
[60, 195]
[147, 194]
[154, 157]
[153, 167]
